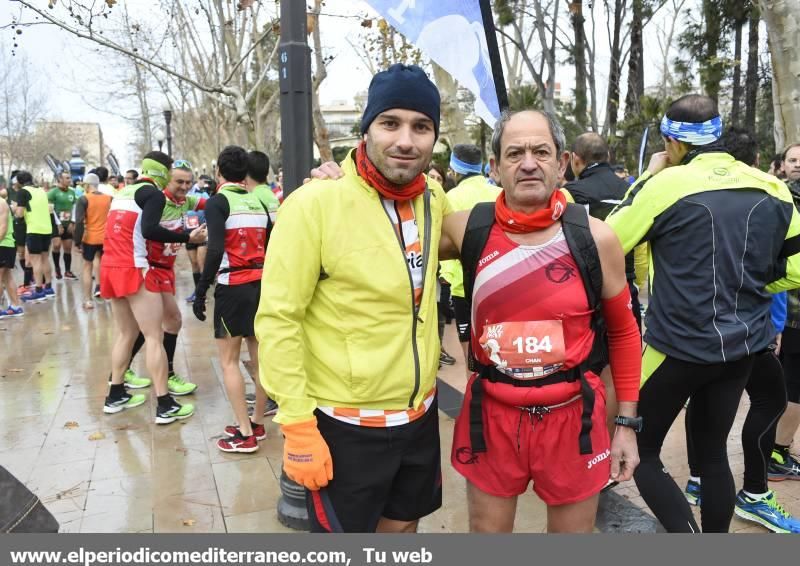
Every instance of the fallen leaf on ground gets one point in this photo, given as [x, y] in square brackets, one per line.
[189, 522]
[16, 370]
[71, 425]
[97, 436]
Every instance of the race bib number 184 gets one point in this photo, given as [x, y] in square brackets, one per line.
[525, 349]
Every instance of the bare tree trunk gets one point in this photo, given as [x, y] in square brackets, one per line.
[612, 103]
[751, 76]
[635, 62]
[592, 76]
[454, 129]
[736, 103]
[783, 31]
[711, 69]
[321, 137]
[579, 54]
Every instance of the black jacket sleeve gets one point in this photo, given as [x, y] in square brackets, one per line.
[24, 199]
[152, 201]
[80, 217]
[217, 212]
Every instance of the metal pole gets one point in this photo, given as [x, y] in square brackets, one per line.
[168, 120]
[294, 60]
[494, 54]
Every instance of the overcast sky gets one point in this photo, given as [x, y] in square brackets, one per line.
[72, 69]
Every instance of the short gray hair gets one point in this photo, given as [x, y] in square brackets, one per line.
[556, 130]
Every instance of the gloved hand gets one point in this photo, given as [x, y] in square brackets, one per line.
[306, 457]
[199, 305]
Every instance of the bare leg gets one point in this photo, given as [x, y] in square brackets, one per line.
[172, 314]
[127, 331]
[573, 518]
[787, 426]
[148, 311]
[489, 513]
[391, 526]
[11, 287]
[229, 351]
[86, 280]
[261, 395]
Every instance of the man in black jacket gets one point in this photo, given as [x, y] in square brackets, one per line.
[595, 184]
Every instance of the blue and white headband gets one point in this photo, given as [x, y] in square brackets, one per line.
[462, 167]
[693, 133]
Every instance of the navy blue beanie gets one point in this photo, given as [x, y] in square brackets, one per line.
[401, 86]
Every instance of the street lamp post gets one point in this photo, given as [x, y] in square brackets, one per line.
[168, 121]
[294, 80]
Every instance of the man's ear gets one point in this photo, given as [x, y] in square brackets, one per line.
[563, 161]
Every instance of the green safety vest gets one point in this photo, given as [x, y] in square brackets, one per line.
[8, 239]
[37, 219]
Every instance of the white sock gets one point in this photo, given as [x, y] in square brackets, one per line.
[694, 479]
[755, 496]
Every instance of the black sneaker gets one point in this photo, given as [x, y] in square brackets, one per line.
[127, 401]
[783, 467]
[250, 398]
[271, 408]
[446, 359]
[174, 412]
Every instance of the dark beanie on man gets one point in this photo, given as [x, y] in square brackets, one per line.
[401, 86]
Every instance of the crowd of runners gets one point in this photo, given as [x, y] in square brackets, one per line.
[342, 294]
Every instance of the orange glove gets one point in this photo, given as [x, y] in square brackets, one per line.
[306, 457]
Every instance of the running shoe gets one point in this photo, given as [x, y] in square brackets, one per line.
[692, 492]
[190, 298]
[33, 297]
[238, 443]
[22, 289]
[97, 291]
[250, 398]
[127, 401]
[259, 430]
[11, 311]
[767, 512]
[174, 412]
[58, 275]
[133, 381]
[271, 408]
[783, 467]
[69, 275]
[179, 386]
[446, 359]
[49, 293]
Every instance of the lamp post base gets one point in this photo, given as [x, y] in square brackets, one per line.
[292, 510]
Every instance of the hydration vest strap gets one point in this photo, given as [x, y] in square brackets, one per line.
[791, 246]
[240, 268]
[585, 436]
[476, 439]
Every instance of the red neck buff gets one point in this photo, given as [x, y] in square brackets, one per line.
[521, 222]
[387, 189]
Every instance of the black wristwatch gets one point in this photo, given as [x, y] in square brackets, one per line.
[631, 422]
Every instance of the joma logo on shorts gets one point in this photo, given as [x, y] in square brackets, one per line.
[489, 257]
[597, 459]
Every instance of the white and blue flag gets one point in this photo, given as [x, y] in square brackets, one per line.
[451, 33]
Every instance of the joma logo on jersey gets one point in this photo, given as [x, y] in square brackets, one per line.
[494, 331]
[414, 260]
[597, 459]
[489, 257]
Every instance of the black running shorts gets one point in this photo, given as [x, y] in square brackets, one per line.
[461, 308]
[392, 472]
[8, 257]
[235, 309]
[790, 359]
[91, 250]
[38, 243]
[19, 231]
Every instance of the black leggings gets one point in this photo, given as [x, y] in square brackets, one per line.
[766, 388]
[715, 390]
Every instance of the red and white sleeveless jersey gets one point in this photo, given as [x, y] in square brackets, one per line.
[245, 237]
[123, 244]
[530, 317]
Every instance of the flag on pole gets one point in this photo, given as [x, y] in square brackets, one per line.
[452, 33]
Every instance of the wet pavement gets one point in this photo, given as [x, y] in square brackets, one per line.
[122, 473]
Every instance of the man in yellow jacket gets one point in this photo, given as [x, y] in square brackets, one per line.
[347, 323]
